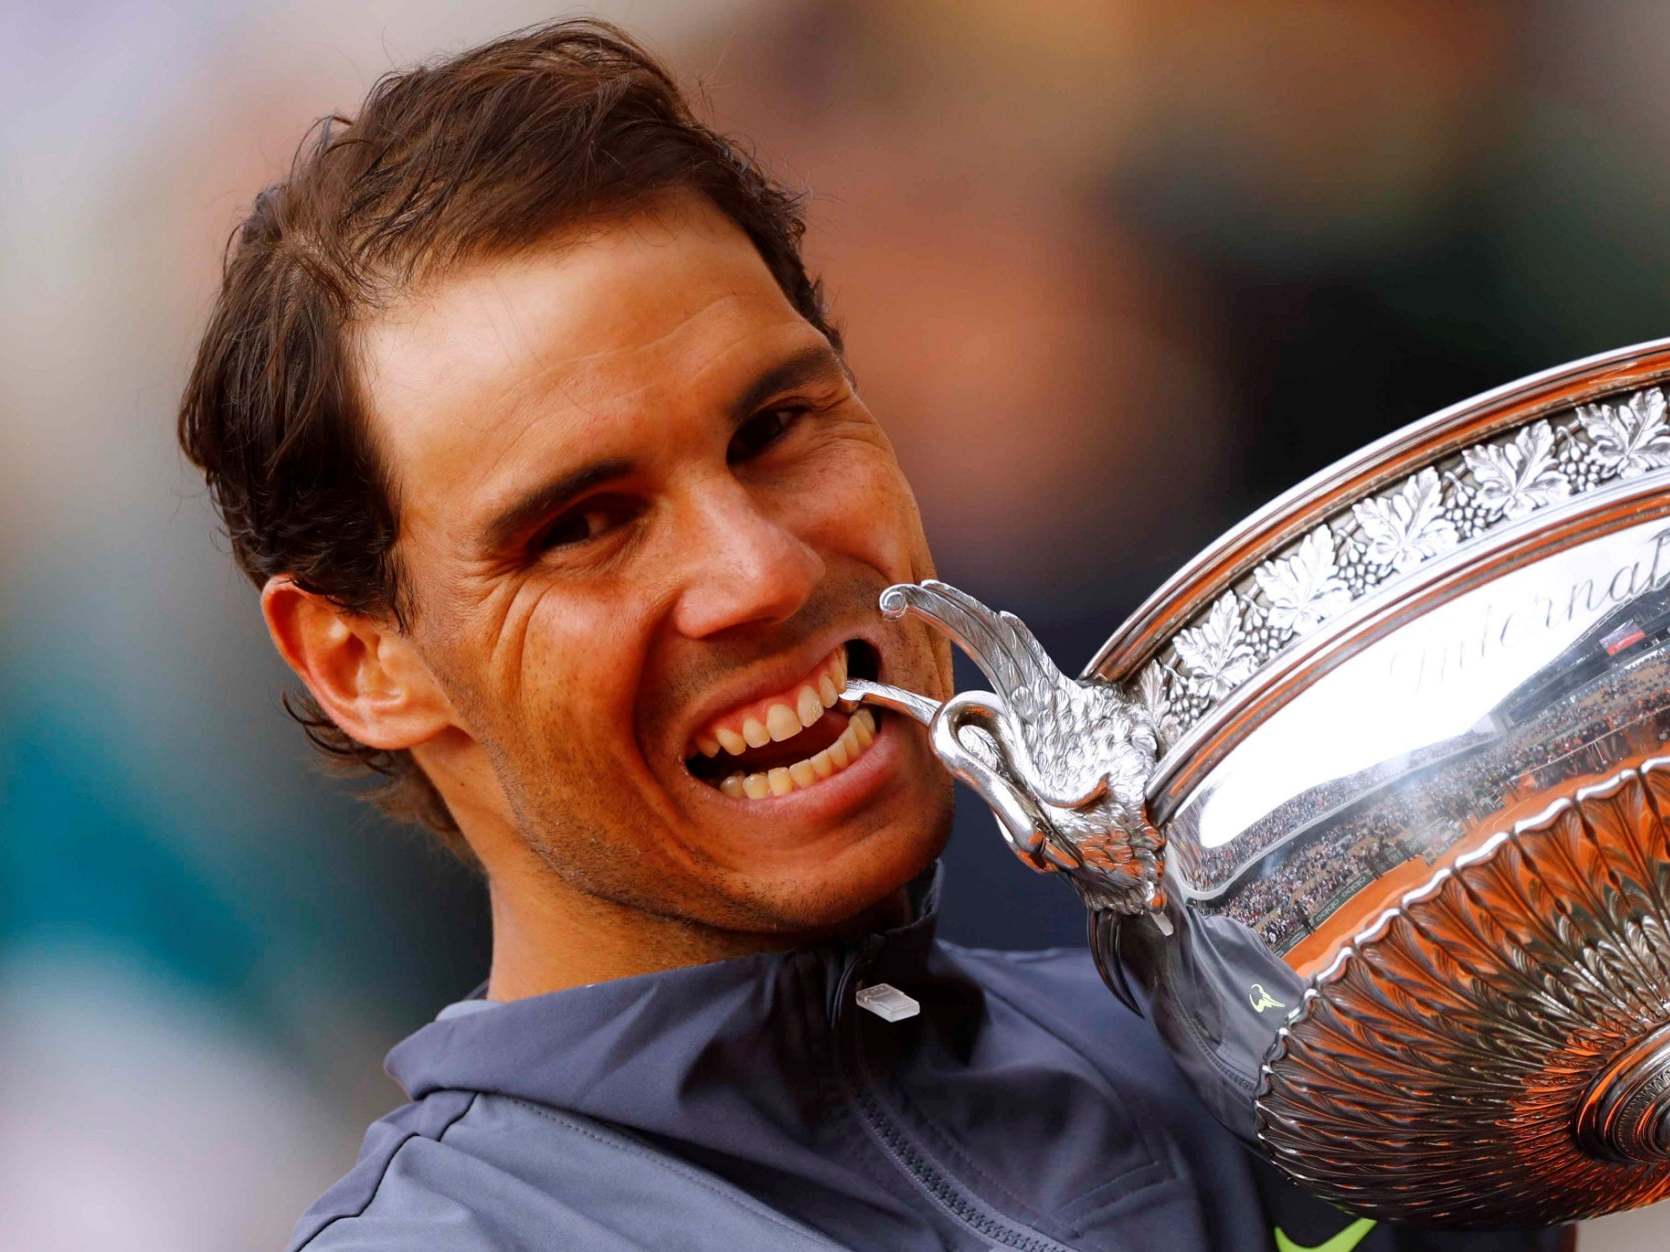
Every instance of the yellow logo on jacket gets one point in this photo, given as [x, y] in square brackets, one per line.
[1347, 1239]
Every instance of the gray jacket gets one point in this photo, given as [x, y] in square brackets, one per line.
[751, 1105]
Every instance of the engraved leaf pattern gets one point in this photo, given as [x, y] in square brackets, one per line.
[1407, 527]
[1304, 589]
[1153, 689]
[1517, 477]
[1420, 518]
[1631, 438]
[1217, 654]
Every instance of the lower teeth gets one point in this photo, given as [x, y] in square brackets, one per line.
[854, 741]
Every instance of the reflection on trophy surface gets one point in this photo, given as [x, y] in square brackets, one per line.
[1368, 805]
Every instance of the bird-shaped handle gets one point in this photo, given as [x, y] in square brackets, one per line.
[1062, 763]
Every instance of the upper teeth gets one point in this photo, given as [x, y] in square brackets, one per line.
[783, 718]
[855, 740]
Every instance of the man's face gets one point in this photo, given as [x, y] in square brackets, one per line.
[644, 514]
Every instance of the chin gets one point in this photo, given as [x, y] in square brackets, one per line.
[866, 873]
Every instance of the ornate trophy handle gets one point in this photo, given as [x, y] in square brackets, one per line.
[960, 730]
[1061, 762]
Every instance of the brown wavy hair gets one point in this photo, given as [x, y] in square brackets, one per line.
[481, 154]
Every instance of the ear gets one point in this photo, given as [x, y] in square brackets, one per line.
[364, 673]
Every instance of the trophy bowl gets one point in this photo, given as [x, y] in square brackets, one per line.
[1368, 805]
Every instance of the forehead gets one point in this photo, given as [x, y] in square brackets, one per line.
[588, 345]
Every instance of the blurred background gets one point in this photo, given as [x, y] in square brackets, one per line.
[1114, 274]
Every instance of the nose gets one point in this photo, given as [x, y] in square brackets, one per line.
[745, 567]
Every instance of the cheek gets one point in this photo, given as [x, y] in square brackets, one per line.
[567, 674]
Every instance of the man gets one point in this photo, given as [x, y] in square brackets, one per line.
[525, 417]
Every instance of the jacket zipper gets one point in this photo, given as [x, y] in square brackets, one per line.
[895, 1140]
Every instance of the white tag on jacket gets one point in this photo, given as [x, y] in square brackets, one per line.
[887, 1002]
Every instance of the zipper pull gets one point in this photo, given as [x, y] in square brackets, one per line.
[887, 1002]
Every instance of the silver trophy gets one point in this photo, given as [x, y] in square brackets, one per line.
[1368, 805]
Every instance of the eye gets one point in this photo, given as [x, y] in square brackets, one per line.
[759, 432]
[586, 521]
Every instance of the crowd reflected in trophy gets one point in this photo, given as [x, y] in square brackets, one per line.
[1395, 822]
[1598, 704]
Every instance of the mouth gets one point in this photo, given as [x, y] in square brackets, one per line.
[792, 740]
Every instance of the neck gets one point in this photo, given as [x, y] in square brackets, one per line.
[549, 935]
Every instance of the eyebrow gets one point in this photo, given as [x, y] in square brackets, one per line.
[548, 498]
[812, 363]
